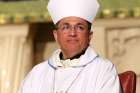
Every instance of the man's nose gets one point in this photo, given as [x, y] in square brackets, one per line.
[73, 32]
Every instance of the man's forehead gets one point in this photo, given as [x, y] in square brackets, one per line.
[72, 20]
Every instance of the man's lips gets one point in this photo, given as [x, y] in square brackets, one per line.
[72, 40]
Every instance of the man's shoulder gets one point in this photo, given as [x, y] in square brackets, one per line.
[41, 66]
[35, 76]
[104, 63]
[104, 60]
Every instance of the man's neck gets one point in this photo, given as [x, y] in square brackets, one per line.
[73, 57]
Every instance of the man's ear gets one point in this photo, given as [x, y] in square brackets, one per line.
[55, 35]
[90, 35]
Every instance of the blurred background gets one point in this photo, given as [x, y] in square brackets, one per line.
[26, 37]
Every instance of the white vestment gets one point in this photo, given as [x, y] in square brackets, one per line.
[91, 74]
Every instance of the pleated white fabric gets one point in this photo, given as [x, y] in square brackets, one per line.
[97, 75]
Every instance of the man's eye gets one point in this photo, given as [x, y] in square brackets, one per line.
[81, 28]
[65, 27]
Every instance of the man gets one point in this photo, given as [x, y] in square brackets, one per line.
[75, 67]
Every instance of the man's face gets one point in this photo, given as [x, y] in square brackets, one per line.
[72, 35]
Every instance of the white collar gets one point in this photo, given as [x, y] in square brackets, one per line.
[84, 59]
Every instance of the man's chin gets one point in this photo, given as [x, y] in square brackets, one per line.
[75, 51]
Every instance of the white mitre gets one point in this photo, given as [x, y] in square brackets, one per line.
[85, 9]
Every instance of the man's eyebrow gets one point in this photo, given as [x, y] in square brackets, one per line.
[81, 24]
[60, 24]
[65, 23]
